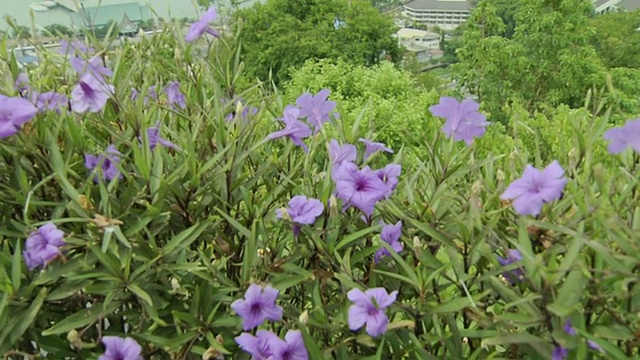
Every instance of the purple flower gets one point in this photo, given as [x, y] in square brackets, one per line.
[464, 122]
[316, 108]
[515, 275]
[623, 137]
[261, 346]
[91, 94]
[118, 348]
[14, 112]
[247, 110]
[536, 187]
[153, 136]
[174, 96]
[292, 348]
[134, 94]
[389, 175]
[22, 83]
[75, 47]
[108, 163]
[360, 188]
[559, 353]
[368, 308]
[391, 235]
[568, 328]
[49, 101]
[594, 345]
[373, 147]
[93, 66]
[295, 129]
[302, 211]
[201, 26]
[258, 305]
[42, 246]
[341, 153]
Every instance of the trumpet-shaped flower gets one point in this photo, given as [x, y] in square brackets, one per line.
[294, 129]
[316, 108]
[464, 121]
[108, 163]
[118, 348]
[391, 235]
[91, 94]
[623, 137]
[361, 188]
[14, 112]
[258, 305]
[536, 187]
[174, 95]
[369, 308]
[302, 211]
[42, 246]
[202, 27]
[341, 153]
[512, 256]
[373, 147]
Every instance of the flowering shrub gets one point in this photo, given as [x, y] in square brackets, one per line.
[243, 237]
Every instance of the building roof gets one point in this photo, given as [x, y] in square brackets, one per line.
[97, 16]
[629, 5]
[452, 5]
[409, 33]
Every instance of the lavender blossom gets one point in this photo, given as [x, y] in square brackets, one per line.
[49, 101]
[391, 235]
[91, 94]
[295, 129]
[389, 175]
[258, 305]
[535, 188]
[623, 137]
[464, 121]
[302, 211]
[512, 256]
[360, 188]
[292, 348]
[594, 345]
[201, 26]
[341, 153]
[568, 328]
[262, 346]
[43, 246]
[373, 147]
[14, 112]
[107, 163]
[153, 136]
[369, 308]
[21, 84]
[559, 353]
[174, 96]
[93, 66]
[316, 108]
[118, 348]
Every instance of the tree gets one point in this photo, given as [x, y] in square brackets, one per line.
[549, 60]
[21, 32]
[282, 34]
[617, 39]
[59, 30]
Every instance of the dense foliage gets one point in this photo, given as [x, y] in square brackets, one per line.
[352, 30]
[160, 204]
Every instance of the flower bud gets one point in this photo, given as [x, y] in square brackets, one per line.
[74, 338]
[175, 284]
[304, 317]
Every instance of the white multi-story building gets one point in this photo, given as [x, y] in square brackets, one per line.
[424, 45]
[602, 6]
[445, 14]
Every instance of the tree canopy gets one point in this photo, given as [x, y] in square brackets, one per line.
[280, 35]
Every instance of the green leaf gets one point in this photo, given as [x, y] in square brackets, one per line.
[25, 319]
[82, 318]
[16, 269]
[312, 347]
[184, 239]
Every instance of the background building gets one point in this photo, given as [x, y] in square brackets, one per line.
[445, 14]
[424, 45]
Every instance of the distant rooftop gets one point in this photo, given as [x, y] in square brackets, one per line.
[408, 33]
[452, 5]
